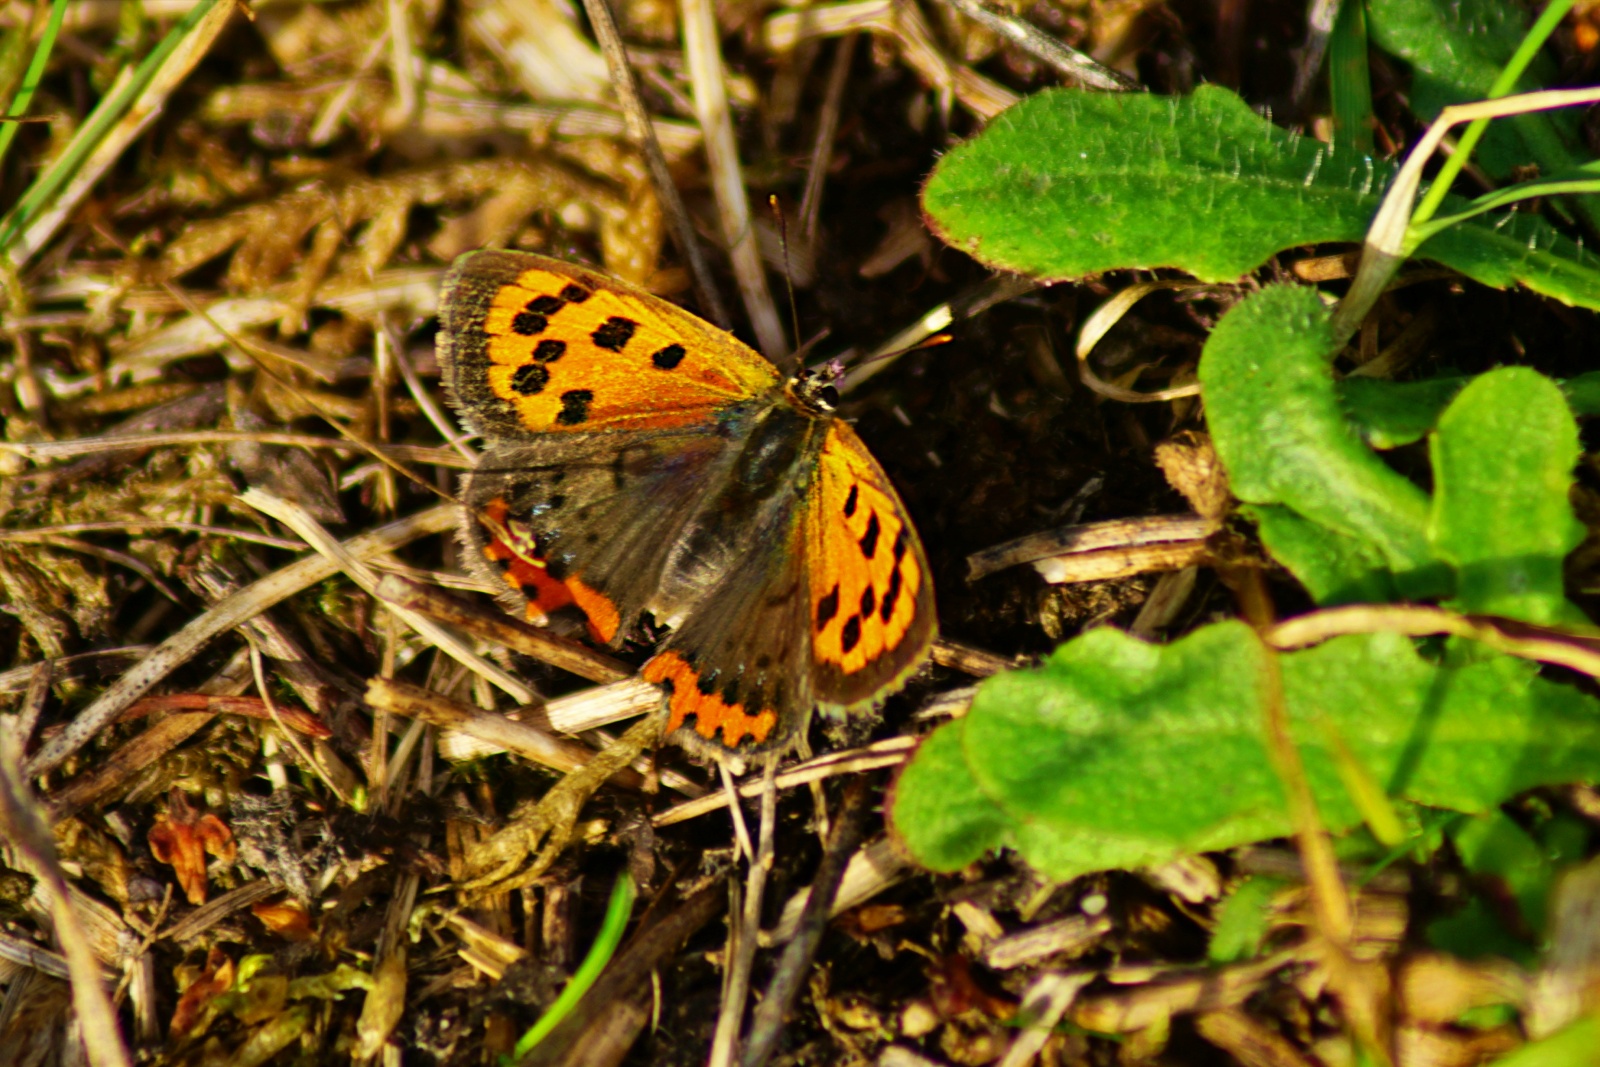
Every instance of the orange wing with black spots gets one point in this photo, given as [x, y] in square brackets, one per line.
[535, 345]
[871, 598]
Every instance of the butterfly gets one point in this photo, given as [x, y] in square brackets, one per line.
[638, 460]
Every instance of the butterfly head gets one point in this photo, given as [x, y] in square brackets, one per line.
[816, 389]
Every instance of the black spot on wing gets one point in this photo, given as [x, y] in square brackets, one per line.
[614, 334]
[669, 357]
[529, 324]
[892, 594]
[869, 601]
[546, 305]
[575, 294]
[902, 544]
[869, 540]
[851, 500]
[575, 407]
[549, 351]
[850, 636]
[827, 608]
[530, 379]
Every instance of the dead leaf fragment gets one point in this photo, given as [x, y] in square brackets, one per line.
[386, 1002]
[214, 980]
[183, 836]
[286, 918]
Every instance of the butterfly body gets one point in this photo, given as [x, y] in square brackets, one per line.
[640, 461]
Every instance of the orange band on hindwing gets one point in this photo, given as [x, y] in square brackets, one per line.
[514, 552]
[710, 712]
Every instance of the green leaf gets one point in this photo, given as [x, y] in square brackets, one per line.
[1390, 414]
[1506, 446]
[1070, 183]
[1457, 49]
[1084, 754]
[1244, 917]
[1279, 426]
[1118, 754]
[1334, 568]
[1350, 80]
[1583, 393]
[1492, 844]
[1512, 248]
[938, 809]
[1576, 1046]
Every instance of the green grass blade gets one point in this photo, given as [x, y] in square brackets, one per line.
[600, 953]
[1500, 198]
[100, 122]
[35, 74]
[1548, 20]
[1349, 80]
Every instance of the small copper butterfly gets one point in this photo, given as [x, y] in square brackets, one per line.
[638, 459]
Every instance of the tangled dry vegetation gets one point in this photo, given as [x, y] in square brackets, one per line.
[228, 561]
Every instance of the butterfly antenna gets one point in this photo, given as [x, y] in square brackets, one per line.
[788, 274]
[895, 353]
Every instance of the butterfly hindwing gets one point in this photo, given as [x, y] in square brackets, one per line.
[737, 670]
[532, 345]
[587, 519]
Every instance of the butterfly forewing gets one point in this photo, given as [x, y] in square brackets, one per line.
[535, 345]
[871, 600]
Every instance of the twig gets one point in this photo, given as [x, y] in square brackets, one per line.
[795, 962]
[703, 54]
[1089, 537]
[42, 451]
[741, 954]
[222, 617]
[28, 834]
[318, 538]
[33, 703]
[499, 627]
[641, 132]
[1028, 37]
[529, 742]
[887, 753]
[741, 833]
[1578, 652]
[827, 131]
